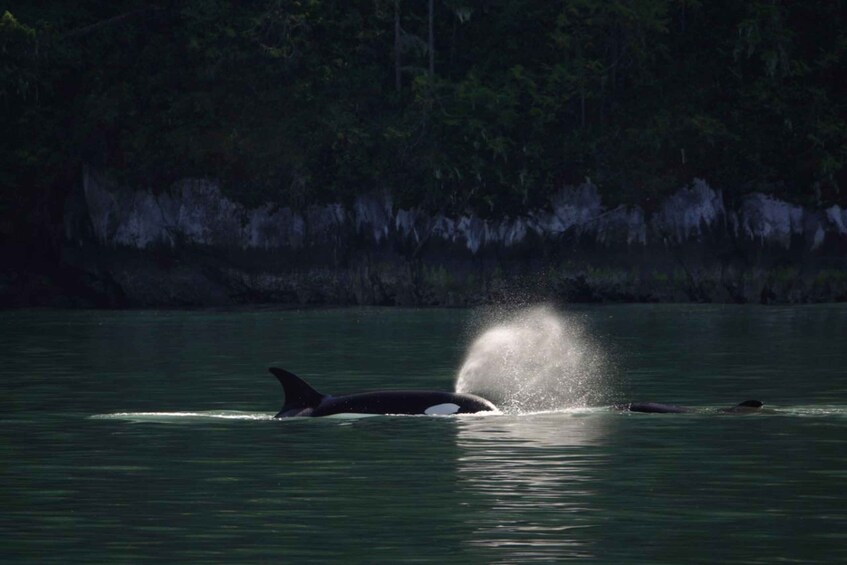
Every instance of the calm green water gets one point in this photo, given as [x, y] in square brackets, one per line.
[132, 436]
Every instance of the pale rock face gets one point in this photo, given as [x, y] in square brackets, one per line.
[133, 219]
[444, 227]
[623, 224]
[407, 223]
[513, 232]
[580, 206]
[270, 228]
[767, 219]
[575, 208]
[145, 222]
[206, 218]
[687, 213]
[472, 230]
[373, 212]
[196, 213]
[322, 223]
[838, 218]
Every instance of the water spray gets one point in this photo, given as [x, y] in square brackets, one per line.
[534, 360]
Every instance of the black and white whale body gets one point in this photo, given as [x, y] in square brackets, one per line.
[302, 400]
[746, 407]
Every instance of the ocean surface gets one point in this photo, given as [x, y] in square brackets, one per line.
[138, 436]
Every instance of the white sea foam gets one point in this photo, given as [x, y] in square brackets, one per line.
[534, 360]
[167, 416]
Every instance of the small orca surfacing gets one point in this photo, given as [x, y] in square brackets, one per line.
[746, 407]
[302, 400]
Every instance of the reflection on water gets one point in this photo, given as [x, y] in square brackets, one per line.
[536, 473]
[584, 427]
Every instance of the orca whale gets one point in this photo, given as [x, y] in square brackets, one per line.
[302, 400]
[746, 407]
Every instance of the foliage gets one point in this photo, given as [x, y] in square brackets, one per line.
[296, 101]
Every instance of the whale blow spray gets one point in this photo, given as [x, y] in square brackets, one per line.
[534, 360]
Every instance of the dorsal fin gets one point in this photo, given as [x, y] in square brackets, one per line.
[298, 393]
[751, 404]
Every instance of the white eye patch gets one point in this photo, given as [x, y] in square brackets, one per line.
[442, 409]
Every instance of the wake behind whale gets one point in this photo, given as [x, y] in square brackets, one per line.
[535, 360]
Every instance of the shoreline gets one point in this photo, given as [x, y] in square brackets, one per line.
[193, 247]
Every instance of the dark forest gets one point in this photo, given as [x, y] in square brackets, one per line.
[454, 106]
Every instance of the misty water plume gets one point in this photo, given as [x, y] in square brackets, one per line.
[534, 359]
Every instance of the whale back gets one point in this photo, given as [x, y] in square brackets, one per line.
[300, 397]
[302, 400]
[751, 404]
[653, 408]
[746, 407]
[407, 402]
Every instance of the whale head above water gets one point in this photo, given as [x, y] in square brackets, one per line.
[302, 400]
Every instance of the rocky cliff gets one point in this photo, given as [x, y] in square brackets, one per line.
[192, 246]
